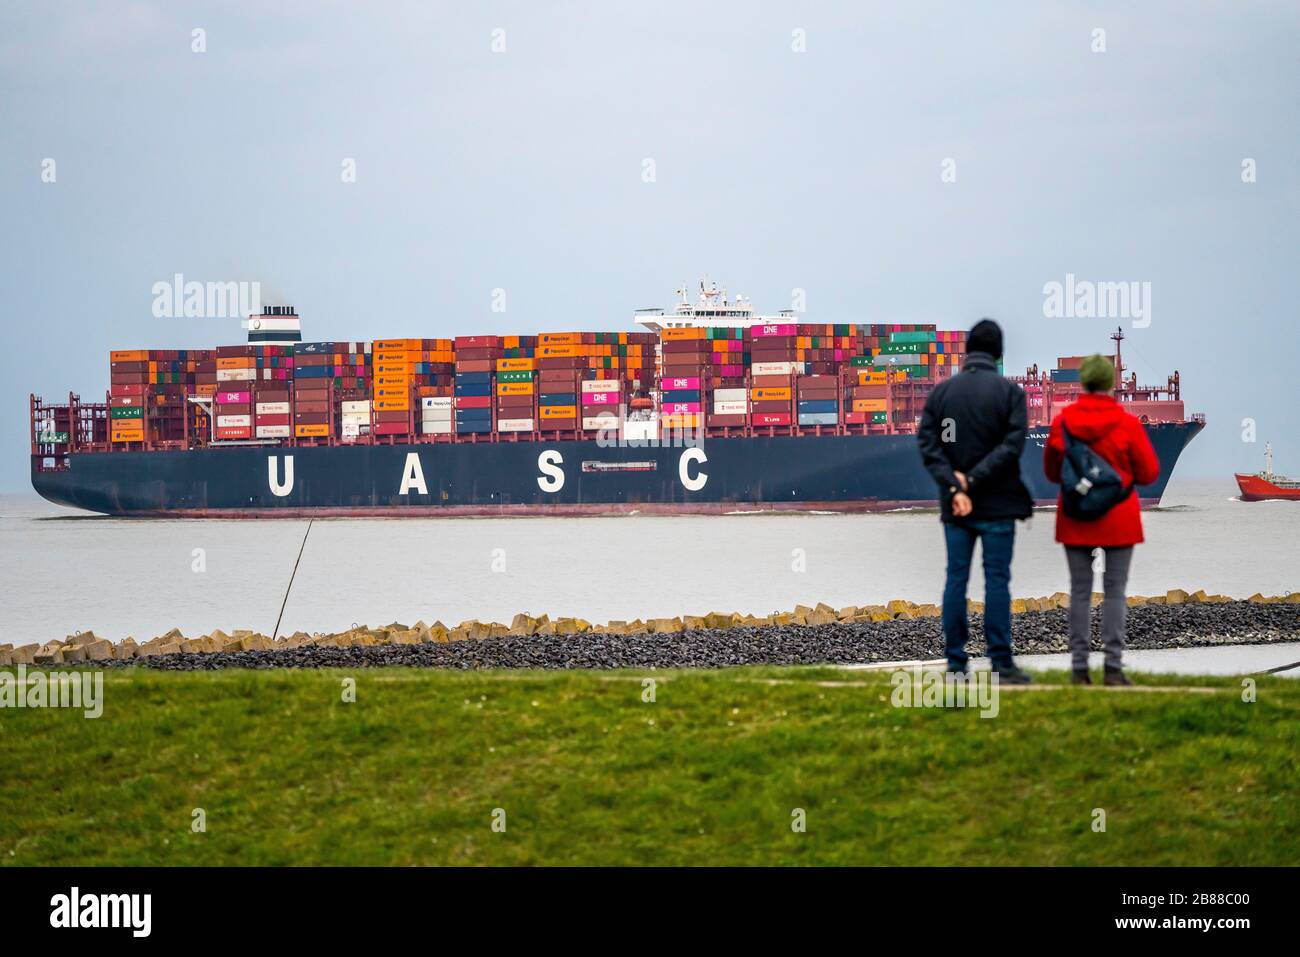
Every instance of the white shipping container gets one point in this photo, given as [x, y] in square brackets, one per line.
[728, 395]
[351, 429]
[436, 428]
[436, 402]
[774, 368]
[357, 407]
[730, 408]
[273, 431]
[349, 418]
[234, 421]
[606, 421]
[646, 430]
[514, 425]
[600, 385]
[436, 415]
[273, 408]
[235, 375]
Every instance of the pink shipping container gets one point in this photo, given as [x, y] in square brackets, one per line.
[233, 398]
[600, 398]
[692, 382]
[783, 329]
[681, 408]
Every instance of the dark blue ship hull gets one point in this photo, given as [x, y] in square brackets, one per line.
[838, 473]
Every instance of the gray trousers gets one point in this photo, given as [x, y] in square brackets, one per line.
[1114, 608]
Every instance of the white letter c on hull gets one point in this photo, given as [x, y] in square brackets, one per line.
[684, 469]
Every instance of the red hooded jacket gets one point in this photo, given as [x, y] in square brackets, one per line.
[1119, 438]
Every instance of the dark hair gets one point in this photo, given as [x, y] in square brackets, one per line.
[985, 336]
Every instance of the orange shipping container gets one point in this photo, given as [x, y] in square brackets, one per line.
[403, 344]
[514, 388]
[128, 355]
[559, 411]
[559, 339]
[516, 365]
[237, 362]
[869, 405]
[687, 421]
[770, 395]
[559, 351]
[311, 431]
[671, 335]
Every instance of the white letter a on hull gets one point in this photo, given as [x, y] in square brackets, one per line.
[280, 489]
[413, 476]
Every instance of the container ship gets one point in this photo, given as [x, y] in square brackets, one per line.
[708, 407]
[1266, 485]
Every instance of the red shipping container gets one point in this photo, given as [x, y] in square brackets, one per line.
[475, 365]
[476, 342]
[552, 425]
[392, 428]
[474, 402]
[726, 420]
[776, 405]
[770, 418]
[235, 432]
[279, 419]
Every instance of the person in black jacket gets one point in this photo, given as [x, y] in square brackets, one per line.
[971, 436]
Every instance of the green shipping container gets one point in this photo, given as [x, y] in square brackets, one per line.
[914, 337]
[130, 412]
[515, 375]
[879, 418]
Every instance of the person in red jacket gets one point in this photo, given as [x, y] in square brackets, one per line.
[1098, 420]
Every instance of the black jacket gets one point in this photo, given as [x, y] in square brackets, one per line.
[975, 423]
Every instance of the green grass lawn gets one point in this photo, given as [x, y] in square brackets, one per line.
[588, 773]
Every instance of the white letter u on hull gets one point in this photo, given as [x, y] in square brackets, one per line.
[278, 488]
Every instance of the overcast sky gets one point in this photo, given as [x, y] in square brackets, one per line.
[773, 170]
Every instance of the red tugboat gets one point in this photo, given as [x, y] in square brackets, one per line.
[1264, 485]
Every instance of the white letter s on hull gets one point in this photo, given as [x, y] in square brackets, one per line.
[552, 477]
[280, 489]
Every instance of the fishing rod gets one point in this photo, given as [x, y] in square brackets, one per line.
[291, 578]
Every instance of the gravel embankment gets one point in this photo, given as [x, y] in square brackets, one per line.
[1150, 626]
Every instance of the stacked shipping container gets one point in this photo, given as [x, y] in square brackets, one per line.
[780, 375]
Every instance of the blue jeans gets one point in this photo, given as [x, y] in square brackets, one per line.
[999, 539]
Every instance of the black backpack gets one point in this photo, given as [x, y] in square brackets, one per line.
[1090, 486]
